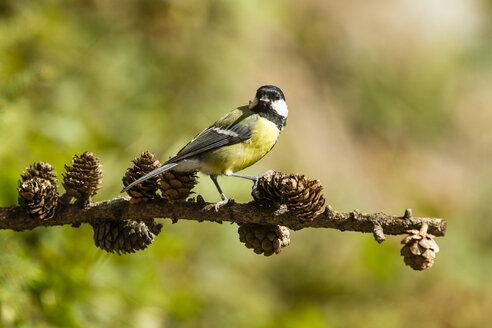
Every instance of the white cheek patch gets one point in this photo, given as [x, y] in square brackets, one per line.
[280, 107]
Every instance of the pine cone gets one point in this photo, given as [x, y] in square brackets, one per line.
[420, 248]
[38, 197]
[82, 178]
[267, 188]
[302, 196]
[147, 189]
[266, 239]
[176, 186]
[40, 170]
[126, 236]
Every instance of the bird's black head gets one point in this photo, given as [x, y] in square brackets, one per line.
[270, 103]
[269, 93]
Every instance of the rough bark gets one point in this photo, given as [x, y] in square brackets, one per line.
[15, 218]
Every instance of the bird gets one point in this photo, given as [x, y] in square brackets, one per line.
[234, 142]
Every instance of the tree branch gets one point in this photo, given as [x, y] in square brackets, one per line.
[15, 218]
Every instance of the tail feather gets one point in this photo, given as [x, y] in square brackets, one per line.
[151, 174]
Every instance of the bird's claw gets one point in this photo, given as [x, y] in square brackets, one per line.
[220, 204]
[265, 173]
[261, 175]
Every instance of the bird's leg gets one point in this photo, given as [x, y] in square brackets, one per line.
[249, 177]
[224, 198]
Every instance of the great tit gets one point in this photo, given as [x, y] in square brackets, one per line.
[236, 141]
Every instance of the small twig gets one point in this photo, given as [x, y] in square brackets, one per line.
[378, 233]
[15, 218]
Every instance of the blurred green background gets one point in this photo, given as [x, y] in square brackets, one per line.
[390, 106]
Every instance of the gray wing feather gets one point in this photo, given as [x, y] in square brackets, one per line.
[212, 138]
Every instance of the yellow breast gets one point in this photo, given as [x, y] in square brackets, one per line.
[264, 135]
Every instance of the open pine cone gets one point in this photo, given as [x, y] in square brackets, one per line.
[302, 196]
[82, 178]
[266, 239]
[420, 248]
[267, 188]
[147, 189]
[38, 197]
[176, 186]
[40, 170]
[126, 236]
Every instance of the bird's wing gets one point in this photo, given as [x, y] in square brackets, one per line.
[230, 129]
